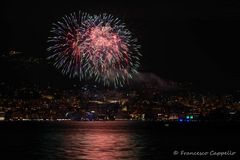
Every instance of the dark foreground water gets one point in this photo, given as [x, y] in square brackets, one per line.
[120, 140]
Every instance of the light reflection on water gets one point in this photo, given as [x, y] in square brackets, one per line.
[92, 140]
[99, 144]
[107, 140]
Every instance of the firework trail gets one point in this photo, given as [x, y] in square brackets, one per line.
[97, 47]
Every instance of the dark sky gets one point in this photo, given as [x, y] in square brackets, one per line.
[183, 41]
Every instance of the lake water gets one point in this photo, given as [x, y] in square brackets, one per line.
[110, 140]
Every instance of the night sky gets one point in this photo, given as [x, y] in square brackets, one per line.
[181, 41]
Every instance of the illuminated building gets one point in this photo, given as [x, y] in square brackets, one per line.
[2, 116]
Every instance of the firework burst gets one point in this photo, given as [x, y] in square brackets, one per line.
[97, 47]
